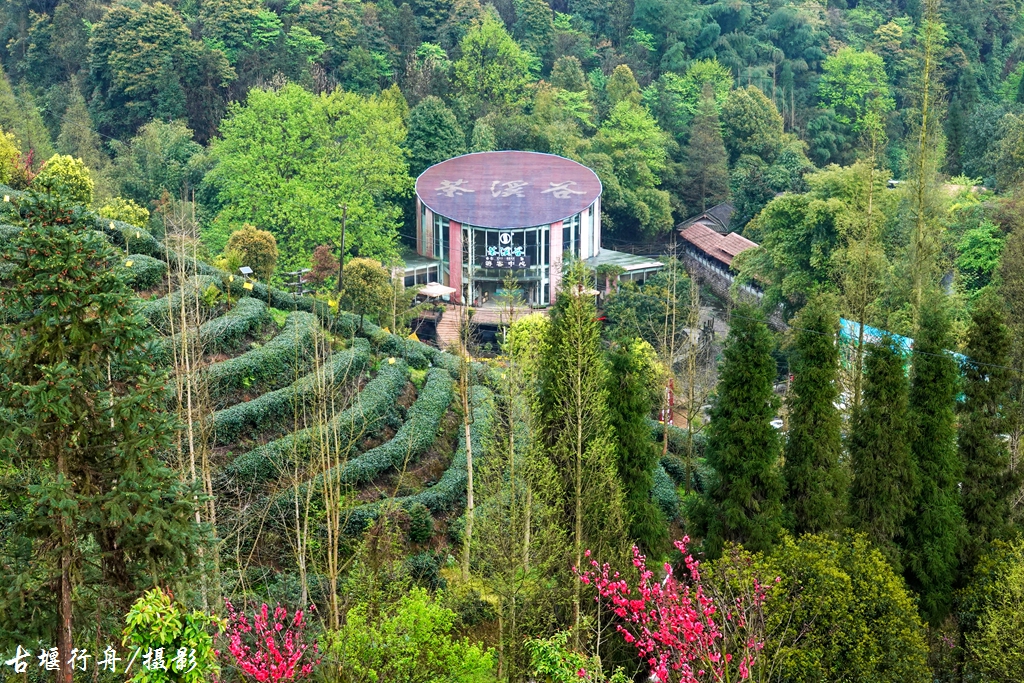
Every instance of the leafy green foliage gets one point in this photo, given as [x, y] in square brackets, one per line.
[996, 646]
[706, 175]
[145, 272]
[66, 177]
[256, 248]
[161, 158]
[816, 481]
[988, 480]
[494, 72]
[412, 639]
[744, 504]
[367, 287]
[838, 611]
[751, 124]
[300, 196]
[9, 158]
[417, 433]
[434, 135]
[936, 524]
[854, 84]
[125, 210]
[100, 495]
[277, 410]
[160, 312]
[450, 490]
[155, 621]
[421, 523]
[364, 416]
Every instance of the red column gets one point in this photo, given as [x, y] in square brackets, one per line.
[555, 257]
[455, 259]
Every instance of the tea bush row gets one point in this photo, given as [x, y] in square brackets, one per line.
[270, 366]
[368, 411]
[277, 409]
[451, 488]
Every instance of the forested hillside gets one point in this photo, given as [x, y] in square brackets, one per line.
[178, 98]
[198, 462]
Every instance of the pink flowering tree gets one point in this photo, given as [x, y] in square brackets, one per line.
[682, 632]
[271, 648]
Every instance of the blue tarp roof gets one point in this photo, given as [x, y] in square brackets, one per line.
[850, 331]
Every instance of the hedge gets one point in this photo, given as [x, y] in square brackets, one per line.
[416, 354]
[369, 408]
[225, 333]
[145, 272]
[270, 366]
[415, 436]
[158, 311]
[451, 489]
[277, 409]
[677, 438]
[700, 472]
[664, 493]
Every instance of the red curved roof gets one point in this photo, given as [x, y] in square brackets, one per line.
[508, 189]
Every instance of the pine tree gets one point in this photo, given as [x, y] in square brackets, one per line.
[935, 528]
[86, 423]
[707, 170]
[744, 504]
[632, 381]
[882, 493]
[988, 481]
[577, 436]
[815, 480]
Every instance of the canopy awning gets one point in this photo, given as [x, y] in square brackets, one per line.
[436, 289]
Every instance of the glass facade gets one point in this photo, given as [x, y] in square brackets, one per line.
[489, 255]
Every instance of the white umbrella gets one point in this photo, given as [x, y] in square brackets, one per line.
[435, 289]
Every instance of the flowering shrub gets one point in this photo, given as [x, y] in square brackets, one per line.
[676, 628]
[271, 648]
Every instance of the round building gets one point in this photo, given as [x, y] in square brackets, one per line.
[481, 215]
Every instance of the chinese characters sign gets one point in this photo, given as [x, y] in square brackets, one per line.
[505, 254]
[512, 262]
[182, 660]
[508, 189]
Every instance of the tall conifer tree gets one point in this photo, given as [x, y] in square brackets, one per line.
[632, 385]
[707, 170]
[577, 435]
[744, 504]
[87, 424]
[815, 480]
[882, 494]
[988, 481]
[935, 528]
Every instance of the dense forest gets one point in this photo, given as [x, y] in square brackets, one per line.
[208, 477]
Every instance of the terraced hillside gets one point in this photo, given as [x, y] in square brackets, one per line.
[313, 426]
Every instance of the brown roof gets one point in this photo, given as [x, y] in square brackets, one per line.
[722, 248]
[508, 189]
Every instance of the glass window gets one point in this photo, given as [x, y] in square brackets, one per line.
[410, 280]
[532, 247]
[440, 248]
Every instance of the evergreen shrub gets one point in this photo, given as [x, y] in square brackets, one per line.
[269, 366]
[277, 408]
[370, 407]
[145, 272]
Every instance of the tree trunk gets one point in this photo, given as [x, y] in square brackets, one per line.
[64, 608]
